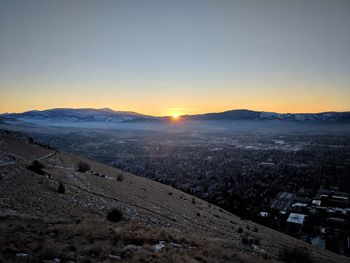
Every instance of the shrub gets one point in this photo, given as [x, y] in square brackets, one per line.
[83, 167]
[245, 239]
[249, 240]
[115, 215]
[193, 201]
[36, 167]
[240, 230]
[294, 255]
[120, 177]
[61, 188]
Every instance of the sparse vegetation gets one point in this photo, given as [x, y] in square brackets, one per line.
[115, 215]
[295, 255]
[245, 239]
[94, 241]
[83, 167]
[249, 240]
[36, 167]
[61, 188]
[120, 177]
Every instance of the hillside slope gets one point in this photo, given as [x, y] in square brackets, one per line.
[160, 223]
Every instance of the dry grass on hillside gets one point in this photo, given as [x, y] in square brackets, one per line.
[102, 241]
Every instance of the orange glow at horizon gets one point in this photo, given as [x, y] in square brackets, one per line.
[183, 103]
[175, 117]
[162, 111]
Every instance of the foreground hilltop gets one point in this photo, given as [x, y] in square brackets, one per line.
[51, 211]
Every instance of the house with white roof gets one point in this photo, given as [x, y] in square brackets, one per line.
[295, 222]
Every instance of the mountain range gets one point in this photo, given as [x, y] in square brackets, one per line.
[106, 115]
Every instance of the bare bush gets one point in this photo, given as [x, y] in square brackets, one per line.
[61, 188]
[249, 240]
[115, 215]
[36, 167]
[120, 177]
[295, 255]
[83, 167]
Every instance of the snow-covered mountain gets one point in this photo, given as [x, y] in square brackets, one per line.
[66, 115]
[261, 115]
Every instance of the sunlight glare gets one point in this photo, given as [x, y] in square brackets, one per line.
[175, 116]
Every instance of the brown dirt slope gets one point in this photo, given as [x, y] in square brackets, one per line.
[160, 223]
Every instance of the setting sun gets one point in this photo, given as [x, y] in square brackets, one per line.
[175, 116]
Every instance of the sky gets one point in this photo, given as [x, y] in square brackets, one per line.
[175, 57]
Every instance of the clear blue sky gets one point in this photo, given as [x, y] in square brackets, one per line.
[163, 57]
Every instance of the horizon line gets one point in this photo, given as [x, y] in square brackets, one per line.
[187, 114]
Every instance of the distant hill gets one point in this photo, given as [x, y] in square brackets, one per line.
[66, 115]
[49, 209]
[262, 115]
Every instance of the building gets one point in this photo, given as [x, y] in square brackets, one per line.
[295, 222]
